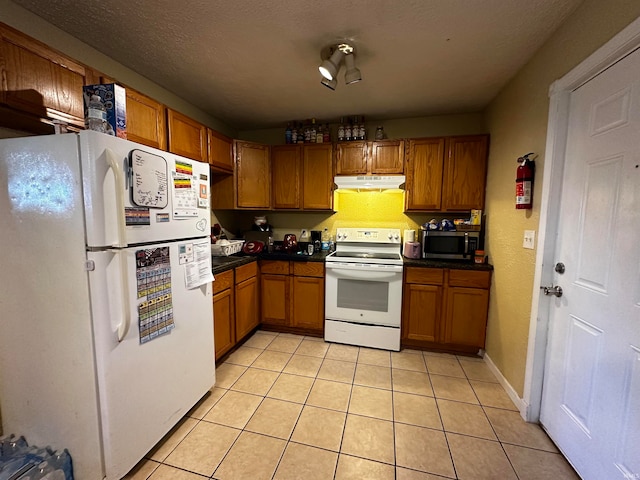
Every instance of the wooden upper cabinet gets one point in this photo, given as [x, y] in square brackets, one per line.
[317, 173]
[253, 175]
[220, 151]
[286, 171]
[465, 173]
[387, 157]
[146, 120]
[351, 158]
[186, 136]
[39, 81]
[424, 169]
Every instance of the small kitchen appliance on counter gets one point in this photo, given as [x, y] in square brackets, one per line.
[363, 289]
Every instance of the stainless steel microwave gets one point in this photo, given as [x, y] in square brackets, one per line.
[437, 244]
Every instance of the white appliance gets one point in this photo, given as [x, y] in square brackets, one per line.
[107, 318]
[363, 293]
[369, 182]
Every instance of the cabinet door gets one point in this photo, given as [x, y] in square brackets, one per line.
[220, 151]
[246, 303]
[422, 308]
[317, 173]
[465, 319]
[465, 173]
[223, 322]
[40, 81]
[286, 171]
[274, 291]
[424, 168]
[146, 120]
[308, 302]
[186, 136]
[351, 158]
[387, 157]
[253, 175]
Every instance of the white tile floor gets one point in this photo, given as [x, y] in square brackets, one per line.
[293, 407]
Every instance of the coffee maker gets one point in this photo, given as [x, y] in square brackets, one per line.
[316, 239]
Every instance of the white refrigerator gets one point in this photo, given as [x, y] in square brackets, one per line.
[106, 315]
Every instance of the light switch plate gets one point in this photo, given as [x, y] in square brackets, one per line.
[529, 239]
[304, 235]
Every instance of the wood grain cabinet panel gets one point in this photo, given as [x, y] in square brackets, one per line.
[422, 306]
[292, 296]
[351, 158]
[246, 299]
[286, 171]
[465, 173]
[424, 168]
[146, 120]
[40, 81]
[223, 313]
[465, 320]
[220, 151]
[387, 157]
[253, 175]
[445, 308]
[317, 174]
[308, 302]
[187, 137]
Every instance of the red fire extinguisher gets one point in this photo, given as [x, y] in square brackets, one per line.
[524, 182]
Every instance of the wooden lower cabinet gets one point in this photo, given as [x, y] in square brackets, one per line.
[292, 295]
[247, 299]
[223, 313]
[445, 309]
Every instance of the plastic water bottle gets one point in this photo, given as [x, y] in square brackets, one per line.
[96, 114]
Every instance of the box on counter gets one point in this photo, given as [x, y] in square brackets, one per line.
[114, 99]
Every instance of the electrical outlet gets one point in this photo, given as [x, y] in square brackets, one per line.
[529, 239]
[304, 235]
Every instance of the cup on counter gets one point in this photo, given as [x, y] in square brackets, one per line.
[310, 249]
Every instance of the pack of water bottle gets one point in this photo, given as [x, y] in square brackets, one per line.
[19, 461]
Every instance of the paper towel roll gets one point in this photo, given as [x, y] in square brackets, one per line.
[409, 235]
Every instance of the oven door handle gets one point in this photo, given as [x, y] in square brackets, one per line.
[363, 273]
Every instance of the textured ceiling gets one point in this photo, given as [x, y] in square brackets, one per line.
[254, 63]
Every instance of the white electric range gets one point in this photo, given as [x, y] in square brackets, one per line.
[363, 289]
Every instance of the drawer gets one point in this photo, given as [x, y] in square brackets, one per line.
[430, 276]
[246, 271]
[469, 278]
[222, 281]
[308, 269]
[274, 267]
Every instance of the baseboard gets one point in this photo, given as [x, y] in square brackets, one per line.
[520, 404]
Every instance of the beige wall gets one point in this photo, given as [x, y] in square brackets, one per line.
[34, 26]
[517, 121]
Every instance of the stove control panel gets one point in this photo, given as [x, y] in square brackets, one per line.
[368, 235]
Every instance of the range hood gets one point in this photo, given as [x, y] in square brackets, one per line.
[369, 182]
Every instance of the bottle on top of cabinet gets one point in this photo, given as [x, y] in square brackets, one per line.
[341, 130]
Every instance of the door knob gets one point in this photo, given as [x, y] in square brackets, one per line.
[557, 290]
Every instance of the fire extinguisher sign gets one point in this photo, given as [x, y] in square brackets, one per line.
[524, 182]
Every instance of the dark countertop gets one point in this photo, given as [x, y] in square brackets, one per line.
[455, 264]
[222, 264]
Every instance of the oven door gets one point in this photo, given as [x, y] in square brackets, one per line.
[369, 294]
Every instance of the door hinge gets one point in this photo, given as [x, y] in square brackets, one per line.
[89, 265]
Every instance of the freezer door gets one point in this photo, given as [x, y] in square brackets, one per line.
[136, 194]
[147, 383]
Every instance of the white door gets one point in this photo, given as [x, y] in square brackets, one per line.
[591, 393]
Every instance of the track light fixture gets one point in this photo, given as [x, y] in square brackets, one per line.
[333, 57]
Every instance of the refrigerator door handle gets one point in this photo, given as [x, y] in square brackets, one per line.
[119, 177]
[125, 314]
